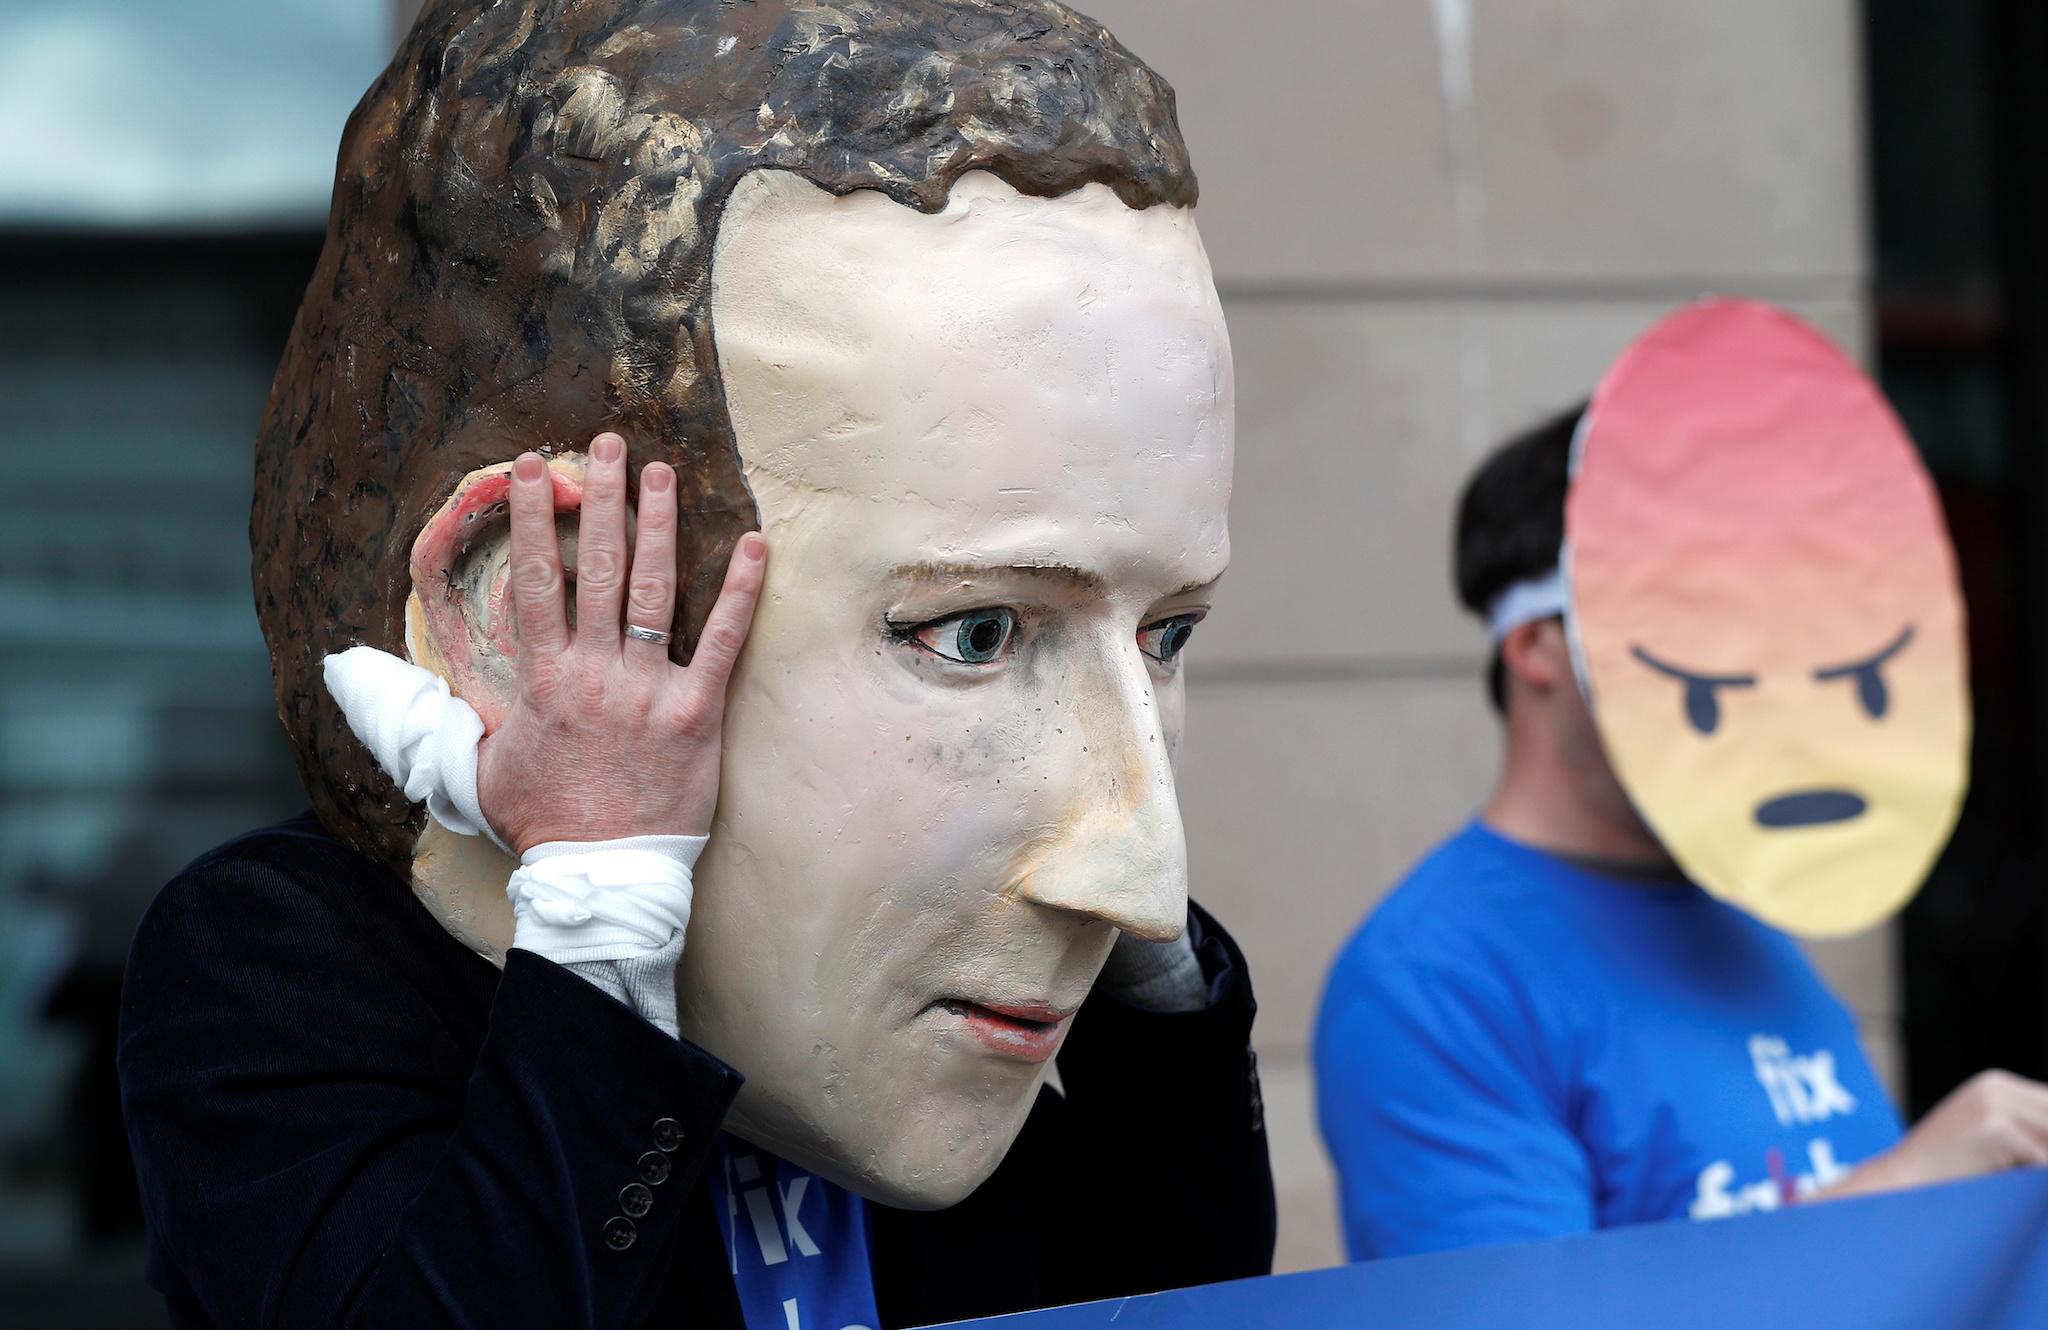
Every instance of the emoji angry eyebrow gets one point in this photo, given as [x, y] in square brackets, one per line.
[1683, 675]
[1871, 662]
[942, 571]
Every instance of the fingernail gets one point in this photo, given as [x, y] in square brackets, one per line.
[656, 478]
[607, 448]
[529, 466]
[752, 546]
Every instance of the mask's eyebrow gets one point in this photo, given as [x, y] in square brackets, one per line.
[1693, 677]
[943, 571]
[1885, 653]
[1192, 587]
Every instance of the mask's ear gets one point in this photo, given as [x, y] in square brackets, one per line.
[459, 618]
[459, 623]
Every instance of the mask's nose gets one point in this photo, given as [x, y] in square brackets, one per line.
[1810, 808]
[1120, 854]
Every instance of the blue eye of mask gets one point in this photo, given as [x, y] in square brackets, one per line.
[983, 634]
[977, 637]
[1165, 640]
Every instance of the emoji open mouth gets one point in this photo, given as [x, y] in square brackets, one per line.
[1810, 808]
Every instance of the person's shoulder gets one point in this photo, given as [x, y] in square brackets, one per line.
[1442, 914]
[294, 855]
[297, 845]
[277, 881]
[1464, 891]
[1774, 961]
[1459, 946]
[287, 951]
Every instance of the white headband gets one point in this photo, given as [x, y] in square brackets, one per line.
[1540, 597]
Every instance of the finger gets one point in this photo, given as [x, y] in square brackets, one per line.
[536, 562]
[2027, 1146]
[2011, 1099]
[651, 603]
[725, 631]
[2032, 1120]
[601, 545]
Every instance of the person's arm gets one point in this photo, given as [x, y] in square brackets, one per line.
[1993, 1122]
[315, 1150]
[1445, 1130]
[304, 1160]
[1179, 1086]
[1163, 1137]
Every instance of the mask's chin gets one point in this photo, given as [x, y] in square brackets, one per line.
[914, 1157]
[913, 1190]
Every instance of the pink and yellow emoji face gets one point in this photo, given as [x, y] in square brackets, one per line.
[1766, 613]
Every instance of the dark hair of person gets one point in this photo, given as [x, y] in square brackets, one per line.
[1511, 521]
[519, 255]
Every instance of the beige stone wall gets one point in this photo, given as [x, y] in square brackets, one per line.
[1408, 276]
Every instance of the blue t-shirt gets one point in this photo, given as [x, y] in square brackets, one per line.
[798, 1245]
[1515, 1047]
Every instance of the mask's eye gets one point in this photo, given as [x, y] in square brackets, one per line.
[974, 638]
[1870, 689]
[1164, 641]
[1702, 691]
[1702, 706]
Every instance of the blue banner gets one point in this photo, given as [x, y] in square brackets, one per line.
[1973, 1256]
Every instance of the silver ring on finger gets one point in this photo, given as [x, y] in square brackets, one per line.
[654, 635]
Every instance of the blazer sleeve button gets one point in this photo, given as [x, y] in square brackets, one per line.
[619, 1233]
[668, 1135]
[635, 1200]
[654, 1168]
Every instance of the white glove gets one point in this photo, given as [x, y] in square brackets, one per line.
[602, 900]
[423, 736]
[614, 911]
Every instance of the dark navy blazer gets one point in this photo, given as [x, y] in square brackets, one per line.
[343, 1117]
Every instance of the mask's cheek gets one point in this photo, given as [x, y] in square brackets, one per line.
[1171, 697]
[932, 839]
[901, 918]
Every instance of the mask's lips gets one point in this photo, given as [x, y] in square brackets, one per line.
[1027, 1031]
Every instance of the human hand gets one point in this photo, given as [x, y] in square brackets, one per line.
[1993, 1122]
[606, 737]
